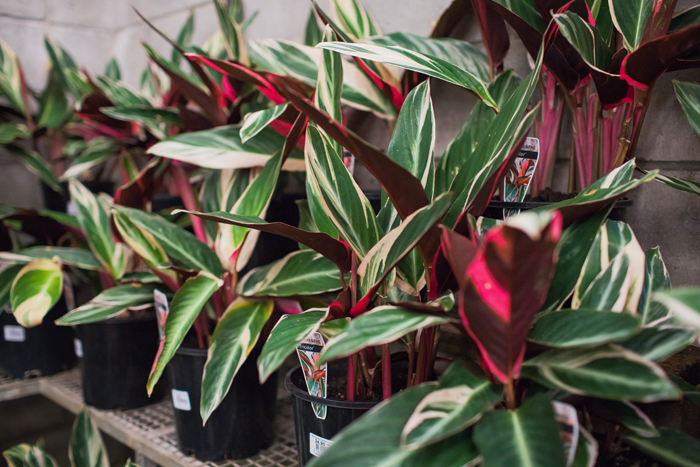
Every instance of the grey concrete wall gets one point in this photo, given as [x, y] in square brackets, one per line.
[93, 31]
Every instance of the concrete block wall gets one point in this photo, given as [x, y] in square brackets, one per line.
[93, 31]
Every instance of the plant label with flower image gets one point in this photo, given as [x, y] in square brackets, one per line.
[162, 309]
[519, 175]
[565, 414]
[316, 379]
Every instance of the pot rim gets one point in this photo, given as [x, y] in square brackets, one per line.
[304, 395]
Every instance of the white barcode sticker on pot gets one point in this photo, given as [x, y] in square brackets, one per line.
[14, 333]
[317, 444]
[181, 400]
[78, 347]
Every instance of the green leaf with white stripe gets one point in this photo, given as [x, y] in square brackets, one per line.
[586, 39]
[374, 440]
[525, 437]
[10, 80]
[53, 105]
[222, 148]
[286, 336]
[671, 448]
[344, 201]
[184, 308]
[179, 244]
[679, 184]
[152, 118]
[36, 164]
[94, 220]
[12, 131]
[656, 278]
[231, 30]
[659, 343]
[382, 325]
[120, 93]
[184, 38]
[313, 34]
[416, 61]
[110, 303]
[255, 122]
[391, 249]
[458, 403]
[98, 150]
[495, 145]
[139, 240]
[220, 191]
[630, 17]
[632, 418]
[456, 51]
[35, 290]
[233, 339]
[301, 62]
[354, 19]
[77, 257]
[587, 448]
[26, 455]
[608, 372]
[7, 277]
[464, 144]
[582, 327]
[86, 446]
[16, 455]
[684, 304]
[619, 286]
[253, 202]
[688, 95]
[302, 272]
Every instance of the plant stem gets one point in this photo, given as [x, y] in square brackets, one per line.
[411, 359]
[386, 372]
[350, 391]
[510, 394]
[182, 184]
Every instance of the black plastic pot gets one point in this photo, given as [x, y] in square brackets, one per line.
[495, 208]
[240, 427]
[312, 432]
[117, 358]
[39, 351]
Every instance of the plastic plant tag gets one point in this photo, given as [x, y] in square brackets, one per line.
[565, 414]
[181, 400]
[14, 333]
[317, 444]
[519, 175]
[162, 309]
[316, 379]
[349, 161]
[78, 347]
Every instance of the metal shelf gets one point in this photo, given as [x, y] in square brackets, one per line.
[150, 431]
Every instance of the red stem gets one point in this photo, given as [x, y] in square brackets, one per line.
[386, 372]
[350, 391]
[106, 280]
[182, 184]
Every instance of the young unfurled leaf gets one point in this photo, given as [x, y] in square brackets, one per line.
[608, 371]
[184, 38]
[458, 403]
[254, 122]
[582, 327]
[94, 220]
[313, 33]
[505, 285]
[35, 290]
[382, 325]
[86, 446]
[77, 257]
[184, 308]
[286, 336]
[110, 303]
[302, 272]
[416, 61]
[671, 448]
[233, 339]
[684, 304]
[353, 18]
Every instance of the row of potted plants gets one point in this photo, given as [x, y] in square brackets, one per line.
[567, 316]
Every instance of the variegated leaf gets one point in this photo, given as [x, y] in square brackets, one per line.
[233, 37]
[35, 290]
[184, 308]
[86, 446]
[313, 33]
[672, 447]
[233, 339]
[220, 191]
[582, 327]
[659, 342]
[26, 455]
[586, 39]
[354, 19]
[12, 131]
[36, 164]
[684, 304]
[178, 244]
[222, 148]
[416, 61]
[679, 184]
[301, 62]
[382, 325]
[387, 253]
[288, 333]
[632, 418]
[110, 303]
[255, 122]
[252, 202]
[7, 277]
[97, 151]
[10, 77]
[608, 372]
[343, 200]
[94, 220]
[656, 278]
[302, 272]
[451, 408]
[630, 17]
[77, 257]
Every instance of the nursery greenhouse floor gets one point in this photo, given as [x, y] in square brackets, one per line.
[150, 431]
